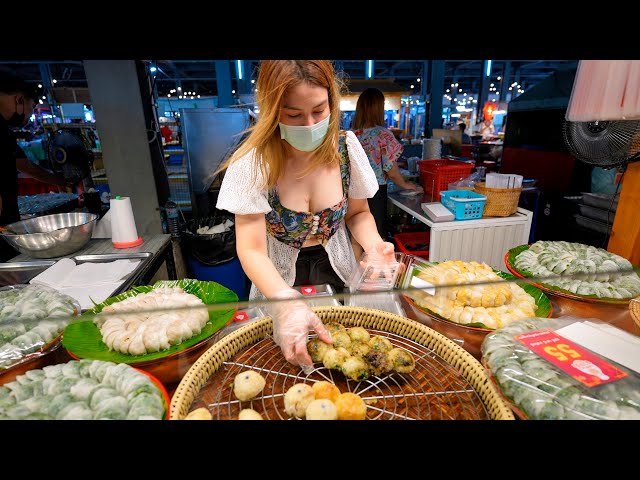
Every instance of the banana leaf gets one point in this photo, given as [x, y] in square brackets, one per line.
[82, 338]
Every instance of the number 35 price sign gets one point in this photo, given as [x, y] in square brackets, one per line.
[571, 358]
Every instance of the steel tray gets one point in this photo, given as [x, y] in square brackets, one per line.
[110, 257]
[16, 273]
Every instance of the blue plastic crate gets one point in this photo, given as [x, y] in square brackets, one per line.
[467, 205]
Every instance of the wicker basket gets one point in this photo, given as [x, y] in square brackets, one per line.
[465, 365]
[634, 308]
[501, 202]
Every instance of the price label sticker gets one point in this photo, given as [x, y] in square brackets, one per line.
[571, 358]
[308, 290]
[240, 317]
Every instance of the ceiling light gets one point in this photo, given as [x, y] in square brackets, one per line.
[168, 95]
[54, 81]
[39, 85]
[499, 78]
[417, 79]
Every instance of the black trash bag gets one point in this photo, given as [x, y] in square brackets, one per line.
[209, 249]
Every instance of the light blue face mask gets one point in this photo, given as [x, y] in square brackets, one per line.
[303, 138]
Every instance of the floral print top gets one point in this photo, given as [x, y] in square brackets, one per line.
[382, 149]
[293, 228]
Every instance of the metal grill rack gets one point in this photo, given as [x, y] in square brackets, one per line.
[433, 390]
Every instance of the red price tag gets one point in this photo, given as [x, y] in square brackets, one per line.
[571, 358]
[240, 317]
[308, 290]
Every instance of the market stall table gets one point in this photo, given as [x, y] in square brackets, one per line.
[481, 240]
[158, 245]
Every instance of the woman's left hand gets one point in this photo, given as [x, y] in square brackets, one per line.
[381, 260]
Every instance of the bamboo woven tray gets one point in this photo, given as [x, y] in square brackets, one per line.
[447, 383]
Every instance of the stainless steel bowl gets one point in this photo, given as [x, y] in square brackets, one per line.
[51, 236]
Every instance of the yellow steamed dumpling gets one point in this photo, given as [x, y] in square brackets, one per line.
[247, 385]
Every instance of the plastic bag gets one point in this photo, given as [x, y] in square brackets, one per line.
[210, 249]
[467, 183]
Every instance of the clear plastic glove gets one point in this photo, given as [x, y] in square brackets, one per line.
[379, 263]
[292, 321]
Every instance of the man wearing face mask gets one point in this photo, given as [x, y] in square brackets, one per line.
[17, 101]
[296, 184]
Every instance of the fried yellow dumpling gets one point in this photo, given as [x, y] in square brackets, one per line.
[380, 343]
[355, 368]
[323, 389]
[317, 348]
[358, 334]
[403, 361]
[334, 327]
[297, 399]
[247, 385]
[350, 407]
[335, 357]
[322, 409]
[359, 349]
[379, 362]
[341, 339]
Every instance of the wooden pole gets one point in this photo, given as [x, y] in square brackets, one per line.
[625, 232]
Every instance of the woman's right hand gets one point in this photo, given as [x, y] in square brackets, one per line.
[292, 321]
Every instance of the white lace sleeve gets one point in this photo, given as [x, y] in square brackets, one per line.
[363, 179]
[240, 193]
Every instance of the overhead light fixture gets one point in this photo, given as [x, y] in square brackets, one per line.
[239, 69]
[418, 79]
[153, 69]
[369, 68]
[39, 85]
[253, 81]
[198, 96]
[488, 72]
[54, 81]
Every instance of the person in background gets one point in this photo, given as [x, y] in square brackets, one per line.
[17, 102]
[382, 149]
[466, 139]
[486, 129]
[24, 165]
[166, 133]
[295, 184]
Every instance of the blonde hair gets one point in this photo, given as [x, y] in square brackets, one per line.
[275, 77]
[369, 109]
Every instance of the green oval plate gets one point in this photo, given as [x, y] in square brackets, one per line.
[82, 338]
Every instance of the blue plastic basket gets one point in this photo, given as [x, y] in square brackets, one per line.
[465, 204]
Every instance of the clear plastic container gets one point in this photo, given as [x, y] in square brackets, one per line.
[377, 276]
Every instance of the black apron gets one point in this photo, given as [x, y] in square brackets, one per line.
[9, 211]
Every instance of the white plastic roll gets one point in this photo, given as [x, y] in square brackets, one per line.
[123, 226]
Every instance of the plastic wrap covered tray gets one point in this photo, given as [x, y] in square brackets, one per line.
[545, 375]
